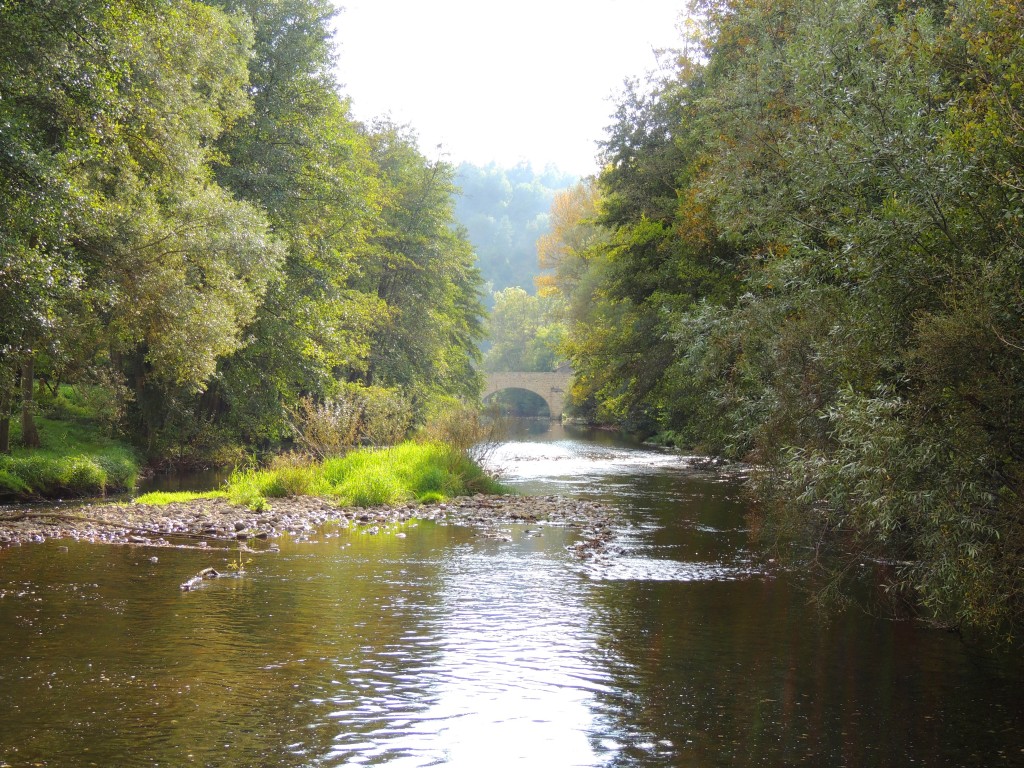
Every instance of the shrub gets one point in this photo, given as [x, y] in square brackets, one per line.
[357, 415]
[48, 475]
[83, 476]
[372, 487]
[66, 406]
[103, 399]
[34, 471]
[244, 488]
[76, 459]
[121, 469]
[463, 427]
[295, 475]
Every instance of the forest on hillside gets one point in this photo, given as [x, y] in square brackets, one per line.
[505, 211]
[196, 233]
[806, 251]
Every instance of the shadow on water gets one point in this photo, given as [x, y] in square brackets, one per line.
[184, 480]
[441, 646]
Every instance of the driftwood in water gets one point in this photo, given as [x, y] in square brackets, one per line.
[195, 581]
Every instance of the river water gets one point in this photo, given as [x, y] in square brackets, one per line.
[443, 647]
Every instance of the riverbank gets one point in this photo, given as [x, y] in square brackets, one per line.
[216, 522]
[77, 460]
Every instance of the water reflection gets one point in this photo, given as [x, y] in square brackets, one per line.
[446, 648]
[508, 679]
[191, 480]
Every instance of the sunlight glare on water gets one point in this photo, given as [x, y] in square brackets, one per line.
[564, 466]
[508, 678]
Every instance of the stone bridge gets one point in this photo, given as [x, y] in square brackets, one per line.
[549, 386]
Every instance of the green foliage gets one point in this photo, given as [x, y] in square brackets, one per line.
[405, 472]
[357, 415]
[69, 404]
[125, 254]
[245, 488]
[368, 477]
[371, 486]
[422, 269]
[12, 484]
[193, 226]
[811, 259]
[504, 211]
[306, 163]
[862, 392]
[524, 332]
[461, 426]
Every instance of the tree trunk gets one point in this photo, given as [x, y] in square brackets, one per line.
[5, 413]
[29, 433]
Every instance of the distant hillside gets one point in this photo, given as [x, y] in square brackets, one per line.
[505, 210]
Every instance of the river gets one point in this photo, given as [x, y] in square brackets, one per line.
[443, 647]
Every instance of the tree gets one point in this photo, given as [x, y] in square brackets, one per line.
[421, 267]
[49, 125]
[300, 157]
[813, 260]
[179, 264]
[504, 211]
[658, 257]
[114, 219]
[524, 333]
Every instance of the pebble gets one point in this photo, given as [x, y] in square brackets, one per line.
[180, 524]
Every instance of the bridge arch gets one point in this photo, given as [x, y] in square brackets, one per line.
[551, 387]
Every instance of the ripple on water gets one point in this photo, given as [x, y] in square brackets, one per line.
[447, 649]
[571, 459]
[509, 676]
[625, 568]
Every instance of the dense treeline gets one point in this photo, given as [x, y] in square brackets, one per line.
[193, 225]
[526, 333]
[806, 250]
[504, 211]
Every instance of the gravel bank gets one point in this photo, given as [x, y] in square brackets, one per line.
[213, 522]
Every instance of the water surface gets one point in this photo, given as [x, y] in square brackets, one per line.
[443, 647]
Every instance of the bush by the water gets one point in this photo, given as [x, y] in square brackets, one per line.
[76, 459]
[356, 415]
[423, 472]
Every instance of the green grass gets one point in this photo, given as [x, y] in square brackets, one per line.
[424, 472]
[160, 498]
[76, 459]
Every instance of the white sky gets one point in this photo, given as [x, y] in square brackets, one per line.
[501, 81]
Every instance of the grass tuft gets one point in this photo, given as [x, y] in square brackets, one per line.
[424, 472]
[161, 498]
